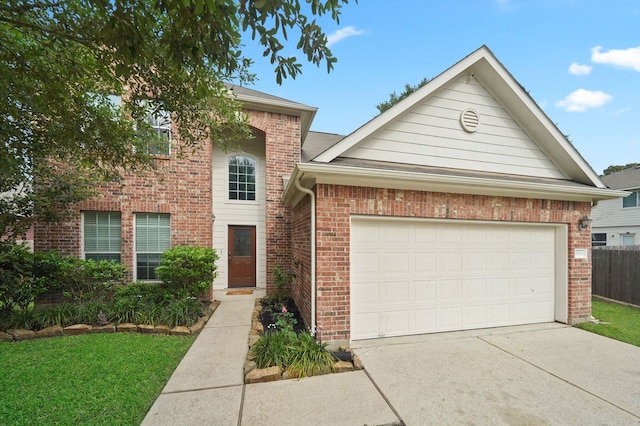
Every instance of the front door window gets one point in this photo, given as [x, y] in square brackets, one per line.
[242, 256]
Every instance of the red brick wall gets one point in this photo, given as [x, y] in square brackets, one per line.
[301, 252]
[181, 187]
[282, 138]
[336, 203]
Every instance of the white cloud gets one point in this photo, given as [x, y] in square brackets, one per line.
[583, 99]
[343, 33]
[577, 69]
[627, 58]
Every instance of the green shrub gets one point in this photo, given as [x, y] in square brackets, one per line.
[182, 312]
[18, 288]
[282, 281]
[83, 280]
[91, 313]
[142, 292]
[188, 271]
[273, 348]
[309, 357]
[63, 315]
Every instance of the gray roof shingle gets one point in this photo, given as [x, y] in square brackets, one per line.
[624, 179]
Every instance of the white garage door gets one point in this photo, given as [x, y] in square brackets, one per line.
[419, 276]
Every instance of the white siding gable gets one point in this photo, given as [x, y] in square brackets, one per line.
[429, 133]
[610, 213]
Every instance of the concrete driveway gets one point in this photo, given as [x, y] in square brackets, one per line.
[524, 375]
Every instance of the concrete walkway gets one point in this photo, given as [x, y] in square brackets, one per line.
[208, 387]
[536, 374]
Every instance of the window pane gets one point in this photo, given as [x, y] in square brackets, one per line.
[102, 235]
[146, 266]
[242, 242]
[631, 200]
[152, 232]
[242, 171]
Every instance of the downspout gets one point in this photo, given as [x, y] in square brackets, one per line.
[313, 252]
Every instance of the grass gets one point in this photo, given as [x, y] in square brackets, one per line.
[623, 322]
[89, 379]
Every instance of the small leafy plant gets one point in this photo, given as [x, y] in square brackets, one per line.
[188, 271]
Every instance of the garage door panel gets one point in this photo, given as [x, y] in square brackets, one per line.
[450, 318]
[475, 316]
[396, 323]
[367, 293]
[365, 263]
[449, 290]
[366, 325]
[395, 263]
[424, 291]
[475, 261]
[475, 288]
[427, 276]
[395, 293]
[424, 262]
[520, 261]
[450, 262]
[424, 319]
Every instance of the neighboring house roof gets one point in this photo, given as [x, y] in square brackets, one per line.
[253, 99]
[624, 179]
[317, 142]
[472, 129]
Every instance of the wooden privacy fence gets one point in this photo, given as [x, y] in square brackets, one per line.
[616, 273]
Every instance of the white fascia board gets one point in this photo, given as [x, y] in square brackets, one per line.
[311, 174]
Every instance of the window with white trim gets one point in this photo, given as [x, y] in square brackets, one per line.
[598, 239]
[160, 122]
[632, 200]
[102, 236]
[153, 237]
[242, 178]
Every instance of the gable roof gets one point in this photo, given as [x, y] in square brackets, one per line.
[260, 101]
[550, 153]
[624, 179]
[410, 147]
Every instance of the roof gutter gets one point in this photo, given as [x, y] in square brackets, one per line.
[312, 196]
[310, 174]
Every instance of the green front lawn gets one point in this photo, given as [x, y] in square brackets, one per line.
[623, 322]
[90, 379]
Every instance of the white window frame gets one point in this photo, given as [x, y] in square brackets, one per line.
[135, 246]
[623, 237]
[256, 172]
[83, 236]
[598, 243]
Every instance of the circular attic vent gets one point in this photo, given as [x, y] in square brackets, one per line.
[469, 120]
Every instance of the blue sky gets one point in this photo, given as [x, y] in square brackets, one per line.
[579, 59]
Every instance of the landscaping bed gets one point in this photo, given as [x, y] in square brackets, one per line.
[20, 334]
[280, 348]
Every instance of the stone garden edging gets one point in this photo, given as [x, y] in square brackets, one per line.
[252, 374]
[16, 335]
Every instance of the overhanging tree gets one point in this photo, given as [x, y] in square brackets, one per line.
[62, 64]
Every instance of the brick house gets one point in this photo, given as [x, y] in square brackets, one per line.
[460, 207]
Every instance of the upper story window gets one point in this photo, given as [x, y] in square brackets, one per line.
[160, 122]
[102, 235]
[242, 178]
[632, 200]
